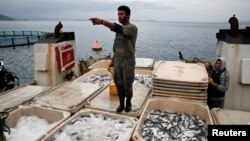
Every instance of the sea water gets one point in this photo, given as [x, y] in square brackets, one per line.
[159, 40]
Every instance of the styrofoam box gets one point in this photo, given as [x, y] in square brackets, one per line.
[87, 112]
[51, 115]
[163, 104]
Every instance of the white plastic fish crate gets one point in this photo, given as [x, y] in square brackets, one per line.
[102, 64]
[224, 116]
[21, 95]
[184, 96]
[94, 72]
[108, 103]
[69, 96]
[179, 72]
[141, 63]
[171, 106]
[52, 116]
[92, 129]
[144, 63]
[91, 73]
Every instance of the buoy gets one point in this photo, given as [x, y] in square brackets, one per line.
[96, 46]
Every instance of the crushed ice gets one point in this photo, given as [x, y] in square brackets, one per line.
[95, 127]
[29, 128]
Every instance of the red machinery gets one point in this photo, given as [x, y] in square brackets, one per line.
[65, 57]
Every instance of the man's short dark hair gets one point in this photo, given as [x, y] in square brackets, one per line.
[124, 8]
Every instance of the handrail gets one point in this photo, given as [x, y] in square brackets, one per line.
[21, 33]
[19, 38]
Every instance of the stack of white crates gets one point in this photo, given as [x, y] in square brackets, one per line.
[177, 79]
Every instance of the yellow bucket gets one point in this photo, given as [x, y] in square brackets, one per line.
[112, 89]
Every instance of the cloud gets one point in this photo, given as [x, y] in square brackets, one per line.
[166, 10]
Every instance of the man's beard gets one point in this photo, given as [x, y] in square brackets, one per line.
[122, 21]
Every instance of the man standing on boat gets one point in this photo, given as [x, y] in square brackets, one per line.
[218, 84]
[123, 59]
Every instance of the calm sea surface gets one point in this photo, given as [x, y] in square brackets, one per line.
[159, 40]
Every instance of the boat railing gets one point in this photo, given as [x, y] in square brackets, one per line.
[19, 38]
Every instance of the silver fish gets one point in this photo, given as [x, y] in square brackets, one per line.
[160, 125]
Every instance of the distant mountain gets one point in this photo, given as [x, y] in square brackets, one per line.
[5, 18]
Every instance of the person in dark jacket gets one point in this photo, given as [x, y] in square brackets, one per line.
[3, 82]
[8, 80]
[218, 84]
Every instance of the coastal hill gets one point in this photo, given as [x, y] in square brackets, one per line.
[5, 18]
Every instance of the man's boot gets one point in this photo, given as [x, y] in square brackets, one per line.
[121, 106]
[128, 104]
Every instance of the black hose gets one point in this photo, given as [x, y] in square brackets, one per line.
[3, 126]
[180, 56]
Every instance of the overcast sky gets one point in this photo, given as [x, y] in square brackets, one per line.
[160, 10]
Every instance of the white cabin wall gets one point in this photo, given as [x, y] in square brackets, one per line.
[238, 95]
[49, 75]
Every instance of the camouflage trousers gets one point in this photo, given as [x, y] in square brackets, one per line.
[124, 78]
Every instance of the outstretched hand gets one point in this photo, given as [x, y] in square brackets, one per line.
[96, 21]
